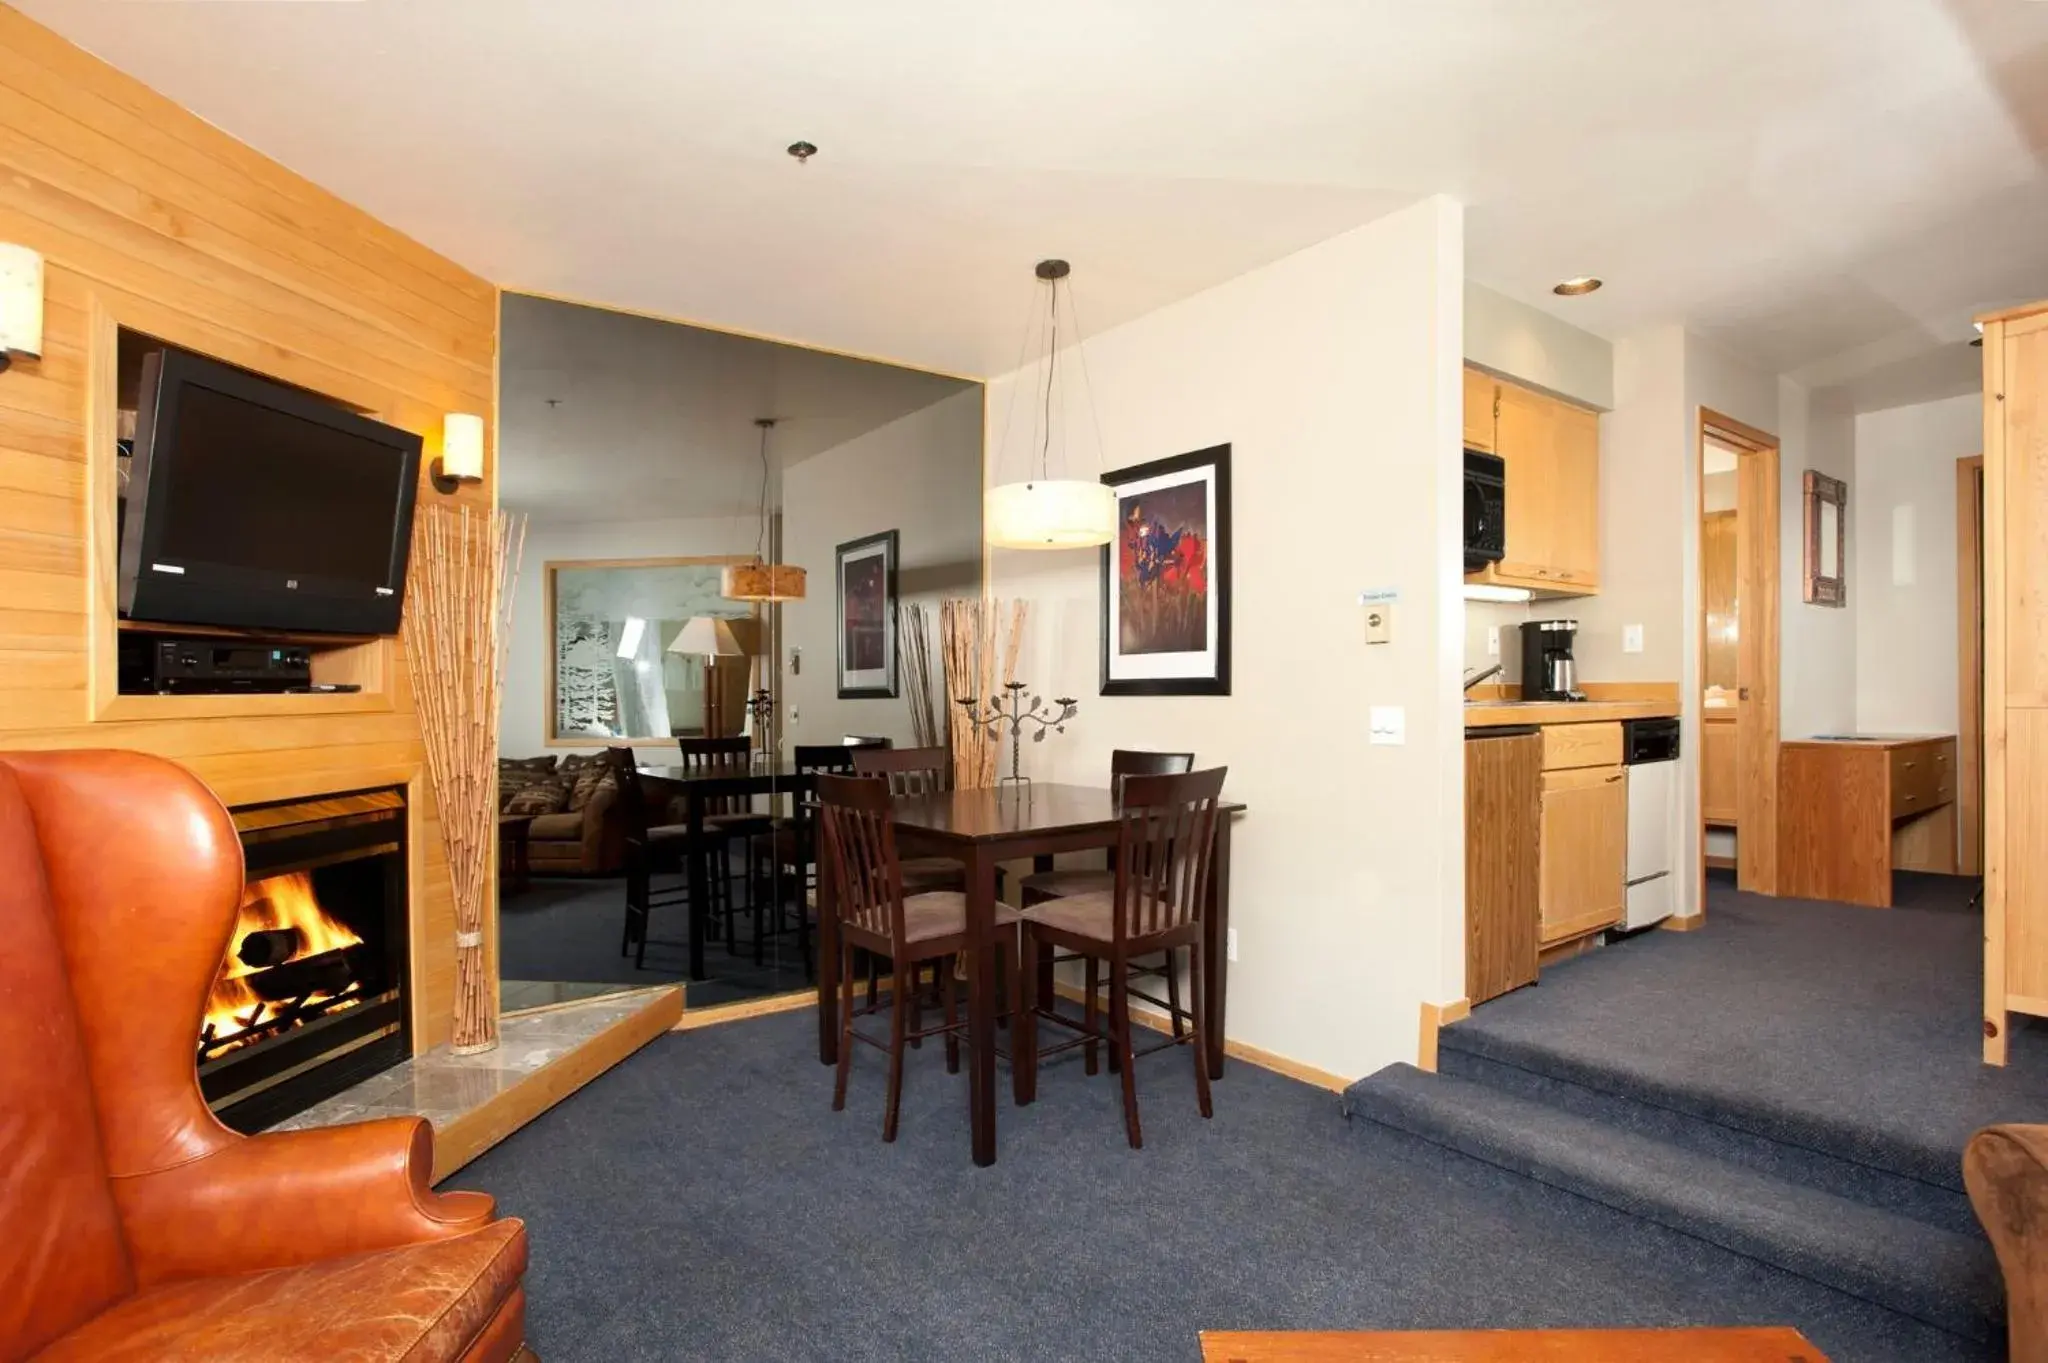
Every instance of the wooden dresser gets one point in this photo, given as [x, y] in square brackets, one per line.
[1853, 809]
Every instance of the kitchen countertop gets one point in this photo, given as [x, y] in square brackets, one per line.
[1492, 714]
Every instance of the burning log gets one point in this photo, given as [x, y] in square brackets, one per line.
[326, 973]
[270, 946]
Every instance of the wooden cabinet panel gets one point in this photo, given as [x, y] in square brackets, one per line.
[1479, 394]
[2026, 870]
[1581, 745]
[1585, 851]
[1718, 804]
[2024, 518]
[1503, 862]
[1551, 451]
[1575, 496]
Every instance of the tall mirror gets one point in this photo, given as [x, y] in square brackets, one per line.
[669, 472]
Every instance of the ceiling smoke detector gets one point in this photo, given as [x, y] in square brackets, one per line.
[802, 151]
[1576, 285]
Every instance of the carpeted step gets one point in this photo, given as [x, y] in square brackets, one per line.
[1614, 1102]
[1898, 1262]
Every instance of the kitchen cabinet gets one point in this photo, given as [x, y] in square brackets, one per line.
[1584, 852]
[1719, 737]
[1480, 392]
[1503, 851]
[1551, 450]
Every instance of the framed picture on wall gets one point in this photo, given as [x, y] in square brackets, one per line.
[1166, 578]
[866, 598]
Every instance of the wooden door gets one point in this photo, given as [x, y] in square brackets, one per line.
[1585, 851]
[1575, 495]
[1526, 434]
[1503, 862]
[1479, 394]
[1756, 668]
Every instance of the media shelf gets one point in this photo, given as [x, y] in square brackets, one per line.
[366, 663]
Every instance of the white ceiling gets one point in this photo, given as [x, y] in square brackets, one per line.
[1827, 187]
[604, 416]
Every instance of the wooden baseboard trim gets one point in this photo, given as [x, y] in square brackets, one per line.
[1691, 922]
[1237, 1050]
[477, 1130]
[694, 1018]
[1436, 1017]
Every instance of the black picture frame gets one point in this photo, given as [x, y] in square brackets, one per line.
[1214, 678]
[884, 682]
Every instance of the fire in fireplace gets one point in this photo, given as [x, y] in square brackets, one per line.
[311, 995]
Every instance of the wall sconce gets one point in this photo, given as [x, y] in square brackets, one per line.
[21, 303]
[462, 453]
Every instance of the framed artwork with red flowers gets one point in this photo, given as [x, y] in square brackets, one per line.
[1166, 578]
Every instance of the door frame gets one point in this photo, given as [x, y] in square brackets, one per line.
[1757, 575]
[1970, 665]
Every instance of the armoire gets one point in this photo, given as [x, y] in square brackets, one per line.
[2015, 541]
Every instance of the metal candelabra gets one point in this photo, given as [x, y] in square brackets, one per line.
[761, 705]
[1014, 710]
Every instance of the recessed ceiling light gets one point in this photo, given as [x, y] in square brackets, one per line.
[802, 151]
[1575, 286]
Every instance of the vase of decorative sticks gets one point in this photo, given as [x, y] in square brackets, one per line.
[465, 564]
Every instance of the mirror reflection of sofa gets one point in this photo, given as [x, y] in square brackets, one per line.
[577, 828]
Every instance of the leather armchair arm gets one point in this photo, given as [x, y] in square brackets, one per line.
[292, 1197]
[2006, 1170]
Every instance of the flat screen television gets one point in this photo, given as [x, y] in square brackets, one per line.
[258, 505]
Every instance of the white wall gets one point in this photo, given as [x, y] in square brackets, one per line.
[1507, 617]
[1334, 376]
[1902, 571]
[1817, 645]
[522, 728]
[1520, 342]
[920, 476]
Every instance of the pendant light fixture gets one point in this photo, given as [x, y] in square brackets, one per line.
[1047, 512]
[762, 580]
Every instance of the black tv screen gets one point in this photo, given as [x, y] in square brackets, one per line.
[258, 505]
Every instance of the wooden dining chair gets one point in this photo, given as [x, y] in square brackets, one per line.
[729, 820]
[1165, 853]
[795, 844]
[650, 847]
[916, 771]
[1051, 884]
[858, 826]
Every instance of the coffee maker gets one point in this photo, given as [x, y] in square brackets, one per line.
[1547, 661]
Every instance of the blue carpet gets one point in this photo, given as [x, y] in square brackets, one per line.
[1795, 1083]
[702, 1201]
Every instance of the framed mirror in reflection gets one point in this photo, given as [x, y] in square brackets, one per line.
[646, 649]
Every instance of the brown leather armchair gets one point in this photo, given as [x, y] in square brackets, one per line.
[2006, 1170]
[133, 1225]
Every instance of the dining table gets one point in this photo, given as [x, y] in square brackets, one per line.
[982, 829]
[698, 789]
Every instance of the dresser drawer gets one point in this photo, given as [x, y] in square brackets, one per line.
[1581, 745]
[1922, 777]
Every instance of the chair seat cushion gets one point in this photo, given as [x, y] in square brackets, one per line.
[556, 827]
[941, 914]
[733, 825]
[1086, 915]
[417, 1302]
[1053, 884]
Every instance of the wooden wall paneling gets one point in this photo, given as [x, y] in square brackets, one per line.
[149, 218]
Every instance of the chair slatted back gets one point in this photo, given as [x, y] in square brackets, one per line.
[859, 829]
[909, 771]
[632, 795]
[1166, 842]
[718, 757]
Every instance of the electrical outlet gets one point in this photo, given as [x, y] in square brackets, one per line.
[1631, 638]
[1389, 724]
[1230, 945]
[1493, 641]
[796, 716]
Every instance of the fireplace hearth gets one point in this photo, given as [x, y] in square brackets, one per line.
[311, 996]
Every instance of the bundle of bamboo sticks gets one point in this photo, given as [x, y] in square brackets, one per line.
[929, 720]
[465, 564]
[968, 631]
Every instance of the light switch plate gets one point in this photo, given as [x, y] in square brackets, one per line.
[1631, 638]
[1389, 724]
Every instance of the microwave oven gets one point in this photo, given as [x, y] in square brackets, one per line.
[1486, 509]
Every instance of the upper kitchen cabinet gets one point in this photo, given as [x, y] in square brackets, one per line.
[1481, 392]
[1551, 450]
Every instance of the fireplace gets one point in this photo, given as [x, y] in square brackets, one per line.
[311, 996]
